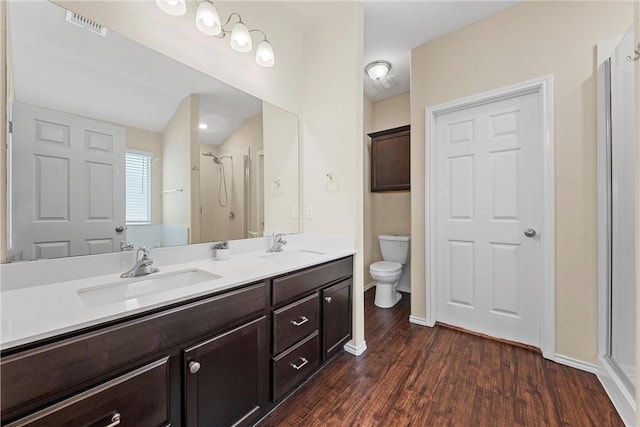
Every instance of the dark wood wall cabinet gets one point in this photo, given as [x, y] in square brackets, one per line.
[391, 159]
[223, 359]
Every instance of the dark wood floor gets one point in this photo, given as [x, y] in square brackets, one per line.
[417, 376]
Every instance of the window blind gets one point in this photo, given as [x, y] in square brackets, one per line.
[138, 187]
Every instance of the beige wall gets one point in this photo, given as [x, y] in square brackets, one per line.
[332, 134]
[177, 140]
[530, 40]
[388, 212]
[281, 174]
[151, 142]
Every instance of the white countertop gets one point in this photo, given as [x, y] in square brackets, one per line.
[40, 311]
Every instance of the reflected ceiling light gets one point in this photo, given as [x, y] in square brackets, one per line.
[203, 126]
[173, 7]
[377, 70]
[208, 22]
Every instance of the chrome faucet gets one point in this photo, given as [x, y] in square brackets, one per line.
[278, 243]
[142, 266]
[126, 246]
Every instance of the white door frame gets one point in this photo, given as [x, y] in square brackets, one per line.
[542, 86]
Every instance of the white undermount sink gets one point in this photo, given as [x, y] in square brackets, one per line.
[300, 255]
[127, 289]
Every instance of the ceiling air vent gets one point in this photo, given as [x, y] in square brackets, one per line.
[386, 83]
[87, 23]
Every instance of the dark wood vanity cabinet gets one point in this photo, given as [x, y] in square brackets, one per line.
[219, 360]
[311, 322]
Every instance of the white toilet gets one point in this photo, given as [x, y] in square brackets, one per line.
[387, 273]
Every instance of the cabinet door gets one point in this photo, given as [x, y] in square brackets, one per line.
[226, 377]
[336, 317]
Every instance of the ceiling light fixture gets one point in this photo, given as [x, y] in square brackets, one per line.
[377, 70]
[209, 23]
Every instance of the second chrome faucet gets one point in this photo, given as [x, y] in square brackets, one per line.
[142, 266]
[278, 243]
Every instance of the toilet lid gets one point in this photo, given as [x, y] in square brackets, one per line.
[386, 267]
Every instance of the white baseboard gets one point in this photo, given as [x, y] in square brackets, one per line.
[369, 286]
[355, 350]
[621, 398]
[405, 290]
[575, 363]
[418, 320]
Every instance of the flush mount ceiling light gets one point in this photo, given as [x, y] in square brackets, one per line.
[377, 70]
[209, 23]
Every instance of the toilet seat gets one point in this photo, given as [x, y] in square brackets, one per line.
[385, 268]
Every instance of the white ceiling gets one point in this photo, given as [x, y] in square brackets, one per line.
[61, 66]
[393, 28]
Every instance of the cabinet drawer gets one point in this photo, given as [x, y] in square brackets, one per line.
[294, 322]
[298, 284]
[294, 365]
[37, 377]
[139, 398]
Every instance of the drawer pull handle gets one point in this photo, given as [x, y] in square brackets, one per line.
[327, 299]
[302, 321]
[115, 420]
[194, 366]
[298, 367]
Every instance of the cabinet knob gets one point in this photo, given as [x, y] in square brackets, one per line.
[327, 299]
[115, 420]
[194, 366]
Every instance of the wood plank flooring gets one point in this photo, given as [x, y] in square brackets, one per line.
[411, 375]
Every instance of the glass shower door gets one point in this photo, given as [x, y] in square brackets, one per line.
[622, 333]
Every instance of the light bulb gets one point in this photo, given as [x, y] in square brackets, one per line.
[172, 7]
[264, 54]
[207, 19]
[240, 38]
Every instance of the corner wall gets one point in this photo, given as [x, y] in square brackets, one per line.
[332, 123]
[529, 40]
[388, 212]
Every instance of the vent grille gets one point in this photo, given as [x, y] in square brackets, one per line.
[87, 23]
[388, 82]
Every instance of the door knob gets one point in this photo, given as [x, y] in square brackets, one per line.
[119, 229]
[530, 232]
[194, 367]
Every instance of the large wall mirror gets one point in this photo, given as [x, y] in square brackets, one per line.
[113, 143]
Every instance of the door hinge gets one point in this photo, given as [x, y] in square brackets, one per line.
[10, 127]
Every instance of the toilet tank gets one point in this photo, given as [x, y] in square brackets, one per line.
[394, 248]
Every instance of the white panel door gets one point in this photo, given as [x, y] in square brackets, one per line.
[488, 181]
[67, 184]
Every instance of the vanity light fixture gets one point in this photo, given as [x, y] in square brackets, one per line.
[173, 7]
[209, 23]
[377, 70]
